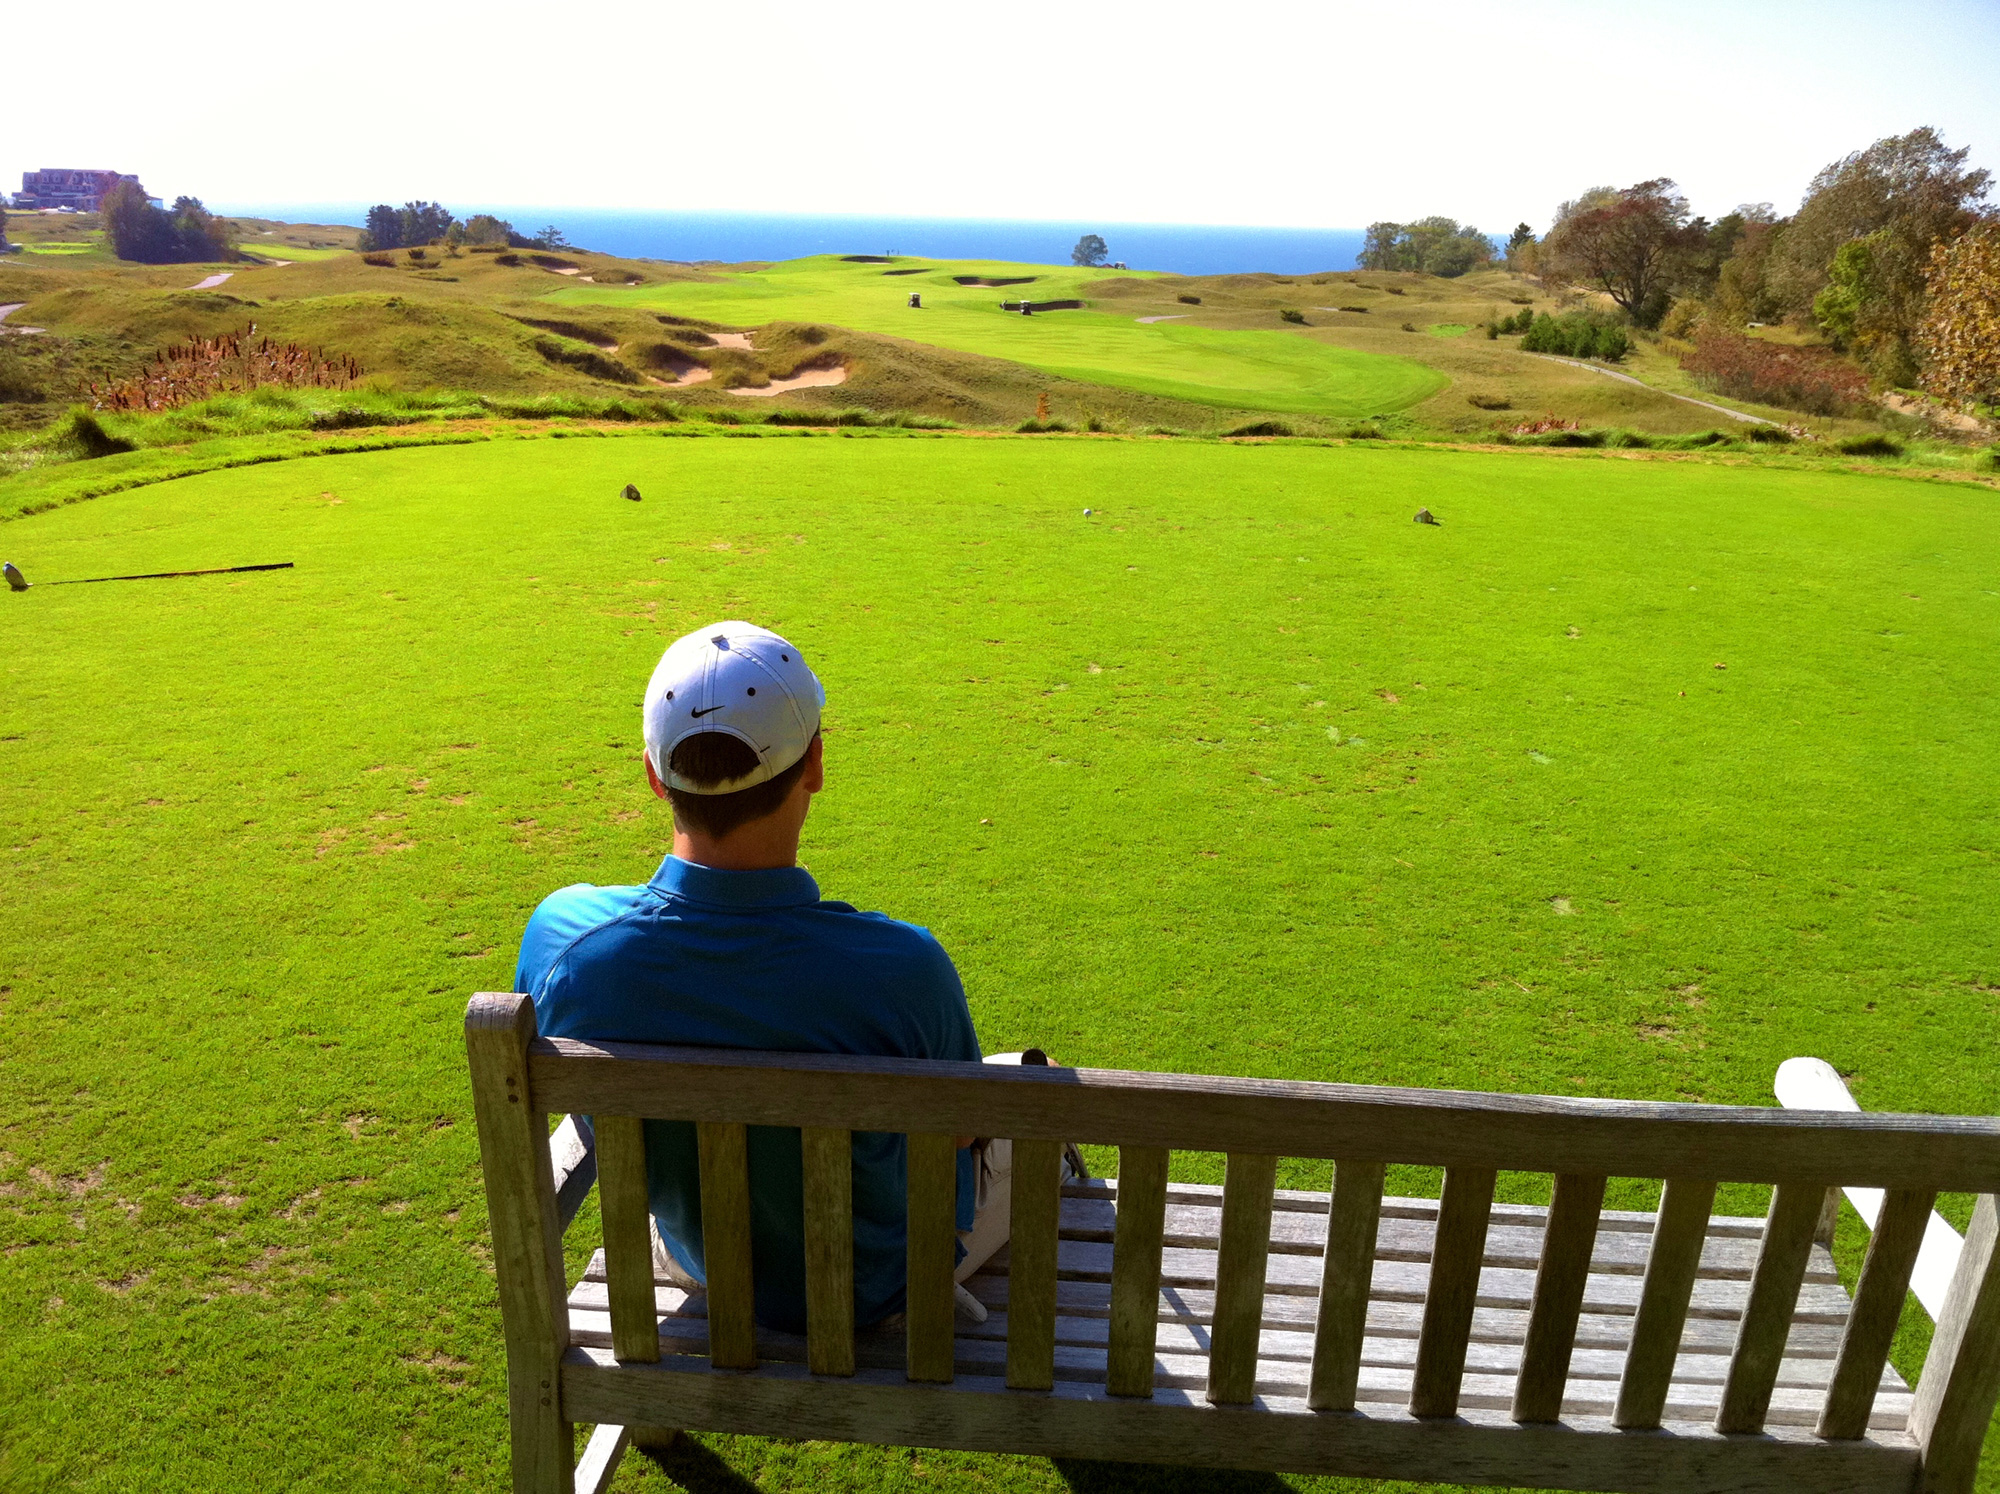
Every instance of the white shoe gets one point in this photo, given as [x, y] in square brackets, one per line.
[968, 1305]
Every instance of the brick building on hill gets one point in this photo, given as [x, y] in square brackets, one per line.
[51, 187]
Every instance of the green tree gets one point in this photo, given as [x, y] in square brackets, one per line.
[419, 223]
[1518, 240]
[384, 228]
[1905, 194]
[138, 231]
[484, 228]
[550, 237]
[1090, 250]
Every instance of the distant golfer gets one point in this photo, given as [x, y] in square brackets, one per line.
[731, 946]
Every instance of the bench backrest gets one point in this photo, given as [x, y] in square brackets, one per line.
[519, 1079]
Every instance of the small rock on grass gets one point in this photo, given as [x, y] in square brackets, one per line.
[632, 491]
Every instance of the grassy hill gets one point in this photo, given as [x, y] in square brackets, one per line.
[1208, 353]
[1586, 791]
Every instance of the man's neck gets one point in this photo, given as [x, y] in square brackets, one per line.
[746, 850]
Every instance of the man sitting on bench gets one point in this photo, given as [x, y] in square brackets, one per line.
[731, 946]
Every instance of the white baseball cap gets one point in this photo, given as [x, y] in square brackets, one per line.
[738, 679]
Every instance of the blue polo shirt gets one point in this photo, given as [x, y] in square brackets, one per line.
[755, 959]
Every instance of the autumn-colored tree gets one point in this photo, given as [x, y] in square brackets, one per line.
[1960, 334]
[1634, 245]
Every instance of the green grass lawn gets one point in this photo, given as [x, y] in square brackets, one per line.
[1099, 344]
[1634, 778]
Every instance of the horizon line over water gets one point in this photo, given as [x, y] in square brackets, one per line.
[731, 238]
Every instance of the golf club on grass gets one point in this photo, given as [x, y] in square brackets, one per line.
[18, 582]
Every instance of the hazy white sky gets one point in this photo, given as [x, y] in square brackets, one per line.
[1310, 115]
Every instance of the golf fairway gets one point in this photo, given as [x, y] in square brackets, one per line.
[1631, 778]
[1098, 344]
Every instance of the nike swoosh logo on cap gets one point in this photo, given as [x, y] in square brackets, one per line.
[697, 715]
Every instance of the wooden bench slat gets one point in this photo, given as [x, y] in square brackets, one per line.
[725, 1243]
[1393, 1347]
[1453, 1290]
[1240, 1265]
[1539, 1133]
[628, 1235]
[1135, 1268]
[1036, 1209]
[1878, 1304]
[573, 1159]
[933, 1237]
[1664, 1300]
[1179, 1427]
[828, 1158]
[1767, 1316]
[1961, 1380]
[1558, 1301]
[1346, 1272]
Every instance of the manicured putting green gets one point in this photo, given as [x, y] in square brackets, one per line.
[1629, 779]
[1102, 343]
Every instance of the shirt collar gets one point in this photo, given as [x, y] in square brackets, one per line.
[772, 887]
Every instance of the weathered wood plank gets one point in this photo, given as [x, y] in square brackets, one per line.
[1377, 1385]
[725, 1242]
[1031, 1301]
[1767, 1316]
[1135, 1268]
[1346, 1271]
[1279, 1434]
[1558, 1301]
[527, 1237]
[1452, 1129]
[600, 1460]
[573, 1159]
[933, 1198]
[1961, 1379]
[829, 1218]
[1239, 1276]
[1878, 1303]
[628, 1235]
[1663, 1302]
[1453, 1290]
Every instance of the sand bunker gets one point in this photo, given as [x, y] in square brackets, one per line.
[211, 282]
[807, 378]
[1147, 321]
[731, 340]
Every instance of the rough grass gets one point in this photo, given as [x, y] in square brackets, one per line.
[1278, 783]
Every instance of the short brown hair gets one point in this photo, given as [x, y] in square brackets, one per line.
[717, 757]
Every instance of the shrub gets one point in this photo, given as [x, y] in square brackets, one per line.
[381, 261]
[1869, 446]
[80, 436]
[416, 254]
[511, 260]
[1394, 290]
[584, 360]
[1488, 402]
[1631, 440]
[1262, 428]
[1363, 310]
[1364, 433]
[1747, 368]
[1297, 318]
[1702, 439]
[1039, 427]
[1522, 300]
[1768, 435]
[1409, 326]
[1190, 300]
[1575, 334]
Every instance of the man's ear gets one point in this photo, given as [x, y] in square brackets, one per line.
[659, 788]
[814, 778]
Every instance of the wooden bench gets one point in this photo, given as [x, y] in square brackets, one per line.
[1455, 1340]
